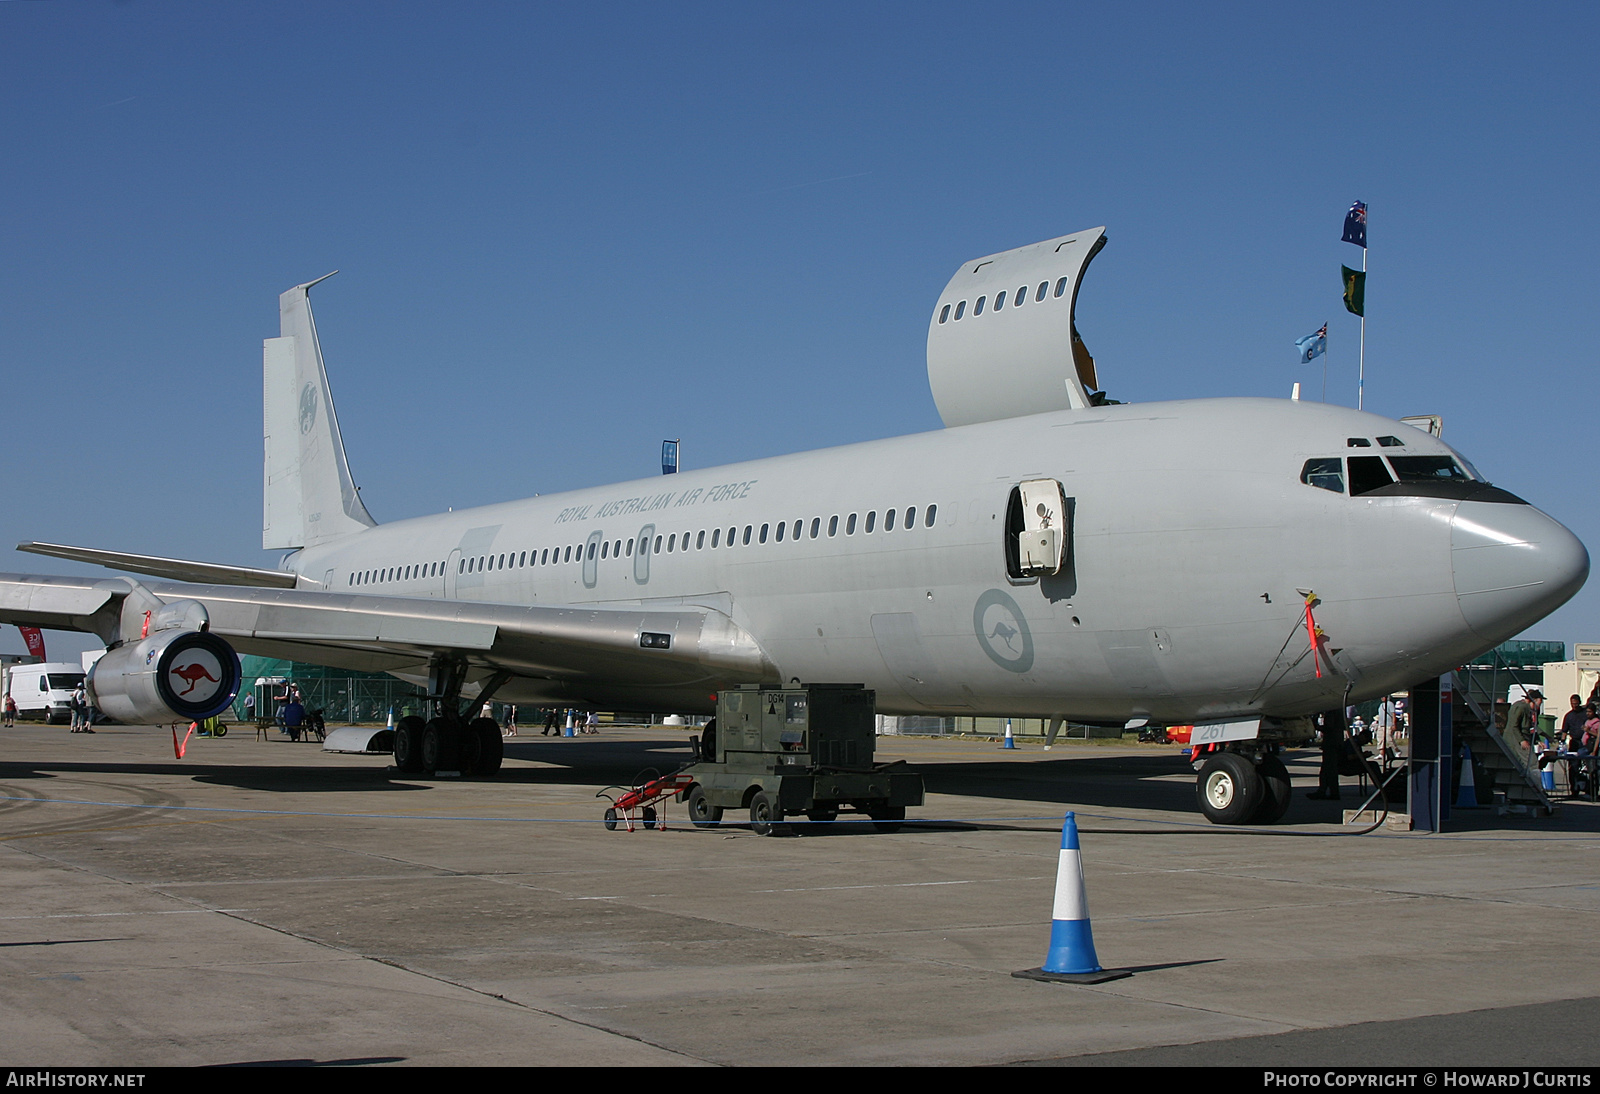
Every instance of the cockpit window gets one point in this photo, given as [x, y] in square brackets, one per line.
[1427, 469]
[1357, 442]
[1325, 474]
[1367, 473]
[1391, 442]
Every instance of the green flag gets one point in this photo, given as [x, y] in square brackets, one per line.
[1355, 291]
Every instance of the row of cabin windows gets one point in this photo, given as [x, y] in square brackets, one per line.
[673, 541]
[669, 543]
[398, 573]
[1017, 300]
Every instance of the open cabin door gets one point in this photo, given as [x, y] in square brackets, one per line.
[1038, 529]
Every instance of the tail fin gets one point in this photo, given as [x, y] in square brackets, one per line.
[308, 496]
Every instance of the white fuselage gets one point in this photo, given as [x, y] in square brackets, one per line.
[1194, 543]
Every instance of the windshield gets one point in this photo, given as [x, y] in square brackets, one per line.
[1427, 469]
[64, 681]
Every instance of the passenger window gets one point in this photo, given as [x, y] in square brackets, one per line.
[658, 545]
[591, 550]
[944, 313]
[764, 533]
[911, 517]
[816, 526]
[833, 527]
[1044, 287]
[568, 556]
[747, 530]
[605, 550]
[731, 532]
[673, 538]
[872, 518]
[795, 534]
[1061, 287]
[1357, 442]
[1325, 474]
[977, 309]
[888, 521]
[961, 309]
[616, 549]
[782, 527]
[1367, 473]
[927, 521]
[700, 541]
[1000, 301]
[1021, 297]
[850, 525]
[716, 534]
[1391, 442]
[544, 557]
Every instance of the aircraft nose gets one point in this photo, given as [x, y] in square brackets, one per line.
[1513, 566]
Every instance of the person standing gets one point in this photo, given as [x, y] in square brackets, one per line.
[80, 704]
[1334, 728]
[1522, 721]
[250, 706]
[11, 711]
[550, 725]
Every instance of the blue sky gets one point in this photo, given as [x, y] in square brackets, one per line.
[567, 231]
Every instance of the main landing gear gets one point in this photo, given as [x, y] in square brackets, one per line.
[1240, 788]
[448, 741]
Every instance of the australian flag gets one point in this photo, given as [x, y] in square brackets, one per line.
[1312, 344]
[1355, 225]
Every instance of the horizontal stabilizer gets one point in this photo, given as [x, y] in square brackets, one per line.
[175, 569]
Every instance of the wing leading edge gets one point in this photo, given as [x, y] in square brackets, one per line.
[575, 650]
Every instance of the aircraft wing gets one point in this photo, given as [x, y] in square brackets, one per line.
[673, 648]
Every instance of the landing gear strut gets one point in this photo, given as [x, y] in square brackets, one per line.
[446, 740]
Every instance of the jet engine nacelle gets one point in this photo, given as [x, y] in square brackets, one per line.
[171, 676]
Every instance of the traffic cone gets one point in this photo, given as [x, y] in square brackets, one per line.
[1467, 795]
[1011, 742]
[1071, 958]
[391, 720]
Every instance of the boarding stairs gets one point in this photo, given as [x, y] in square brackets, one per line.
[1498, 767]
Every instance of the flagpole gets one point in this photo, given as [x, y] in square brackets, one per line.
[1324, 367]
[1361, 373]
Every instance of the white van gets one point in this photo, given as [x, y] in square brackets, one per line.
[44, 691]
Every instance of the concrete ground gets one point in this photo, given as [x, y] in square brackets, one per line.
[264, 902]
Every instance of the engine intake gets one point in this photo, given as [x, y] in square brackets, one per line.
[170, 676]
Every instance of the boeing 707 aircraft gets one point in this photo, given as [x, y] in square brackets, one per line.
[1048, 553]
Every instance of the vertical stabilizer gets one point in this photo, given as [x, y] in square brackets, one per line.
[308, 496]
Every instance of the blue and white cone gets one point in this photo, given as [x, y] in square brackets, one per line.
[1010, 741]
[1467, 794]
[391, 720]
[1071, 958]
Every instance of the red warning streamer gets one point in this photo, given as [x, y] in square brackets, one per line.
[1311, 633]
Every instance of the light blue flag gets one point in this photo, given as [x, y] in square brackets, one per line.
[1312, 344]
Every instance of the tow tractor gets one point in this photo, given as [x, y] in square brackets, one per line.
[804, 751]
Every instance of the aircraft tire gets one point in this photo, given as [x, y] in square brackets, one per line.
[766, 819]
[437, 753]
[469, 749]
[1229, 790]
[888, 818]
[408, 744]
[702, 814]
[491, 746]
[1275, 791]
